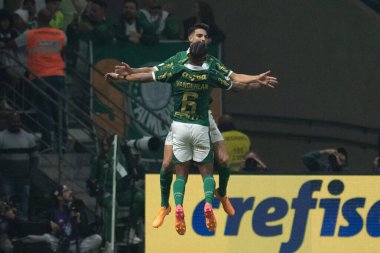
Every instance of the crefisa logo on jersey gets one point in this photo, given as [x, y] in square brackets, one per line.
[155, 97]
[274, 209]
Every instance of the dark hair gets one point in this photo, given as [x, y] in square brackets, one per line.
[101, 3]
[226, 123]
[198, 50]
[132, 1]
[343, 151]
[197, 26]
[44, 16]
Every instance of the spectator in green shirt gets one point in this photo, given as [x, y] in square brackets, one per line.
[165, 23]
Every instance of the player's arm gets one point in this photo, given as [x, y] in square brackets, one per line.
[255, 81]
[244, 86]
[124, 69]
[244, 81]
[160, 76]
[220, 81]
[137, 77]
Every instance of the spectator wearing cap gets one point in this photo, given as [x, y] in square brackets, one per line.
[18, 159]
[326, 160]
[20, 20]
[69, 223]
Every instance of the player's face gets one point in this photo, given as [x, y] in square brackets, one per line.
[199, 35]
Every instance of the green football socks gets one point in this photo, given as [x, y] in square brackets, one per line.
[208, 188]
[179, 190]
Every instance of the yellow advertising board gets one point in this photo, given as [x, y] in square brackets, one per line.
[274, 213]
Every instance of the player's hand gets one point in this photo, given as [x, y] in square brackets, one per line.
[266, 80]
[54, 227]
[123, 69]
[111, 76]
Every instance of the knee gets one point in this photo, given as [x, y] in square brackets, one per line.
[167, 165]
[223, 160]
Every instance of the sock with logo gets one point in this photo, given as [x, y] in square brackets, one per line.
[179, 190]
[224, 175]
[166, 178]
[208, 188]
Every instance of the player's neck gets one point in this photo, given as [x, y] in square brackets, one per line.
[196, 62]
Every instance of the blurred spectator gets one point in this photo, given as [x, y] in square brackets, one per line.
[14, 230]
[128, 27]
[70, 231]
[326, 160]
[237, 143]
[57, 18]
[204, 14]
[253, 163]
[93, 25]
[164, 23]
[12, 5]
[7, 74]
[20, 20]
[30, 6]
[6, 245]
[128, 193]
[71, 9]
[40, 4]
[45, 60]
[18, 159]
[376, 165]
[6, 31]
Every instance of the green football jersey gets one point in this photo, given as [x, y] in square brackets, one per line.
[191, 91]
[181, 58]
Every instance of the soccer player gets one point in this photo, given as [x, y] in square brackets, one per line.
[192, 85]
[199, 33]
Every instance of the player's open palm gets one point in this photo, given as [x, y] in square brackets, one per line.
[124, 69]
[266, 80]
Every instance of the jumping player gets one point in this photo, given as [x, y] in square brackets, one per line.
[199, 33]
[192, 85]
